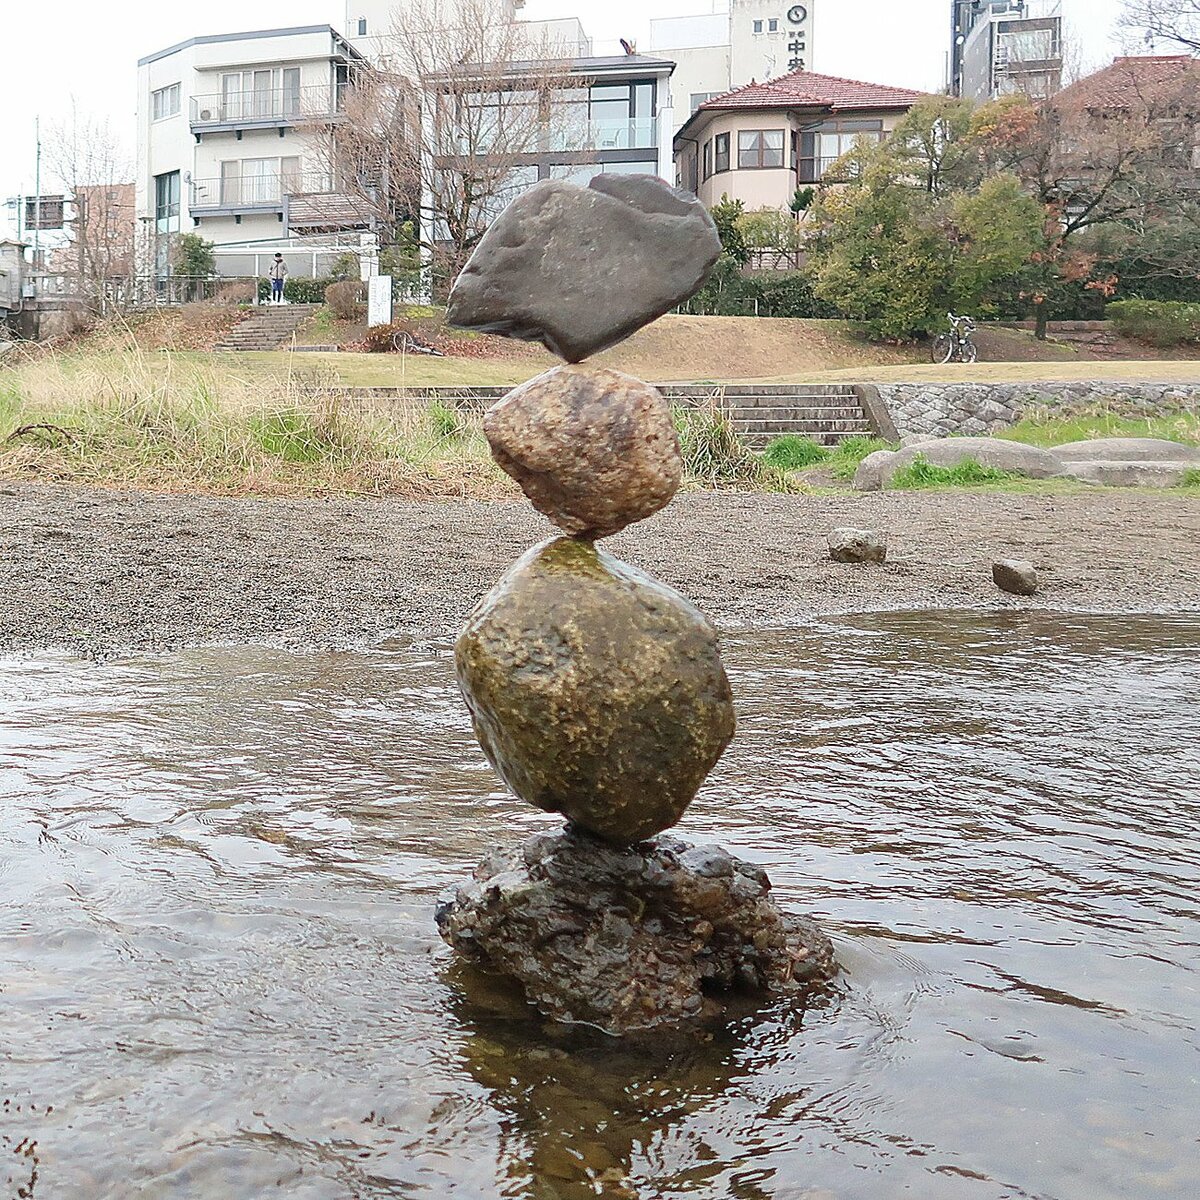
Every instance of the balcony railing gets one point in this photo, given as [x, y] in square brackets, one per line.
[814, 170]
[568, 133]
[267, 105]
[265, 191]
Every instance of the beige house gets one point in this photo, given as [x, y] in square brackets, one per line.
[760, 142]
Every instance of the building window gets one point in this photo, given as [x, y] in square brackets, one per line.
[165, 102]
[264, 93]
[252, 181]
[773, 25]
[760, 148]
[707, 159]
[623, 115]
[166, 202]
[822, 145]
[166, 220]
[362, 26]
[721, 153]
[758, 27]
[698, 98]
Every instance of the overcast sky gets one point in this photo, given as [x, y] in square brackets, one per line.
[87, 52]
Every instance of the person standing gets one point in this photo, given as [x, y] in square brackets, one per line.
[277, 273]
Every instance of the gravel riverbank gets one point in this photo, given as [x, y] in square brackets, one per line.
[100, 572]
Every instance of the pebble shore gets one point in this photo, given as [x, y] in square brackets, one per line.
[101, 573]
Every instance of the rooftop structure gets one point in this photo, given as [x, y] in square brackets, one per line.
[1004, 46]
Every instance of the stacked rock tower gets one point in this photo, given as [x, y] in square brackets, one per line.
[596, 691]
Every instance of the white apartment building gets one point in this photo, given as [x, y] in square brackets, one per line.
[753, 41]
[222, 145]
[226, 148]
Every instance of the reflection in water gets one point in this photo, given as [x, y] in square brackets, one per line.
[219, 975]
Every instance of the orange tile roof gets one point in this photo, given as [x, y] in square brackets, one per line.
[1128, 80]
[807, 89]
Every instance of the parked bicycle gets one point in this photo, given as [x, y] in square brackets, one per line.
[957, 343]
[406, 343]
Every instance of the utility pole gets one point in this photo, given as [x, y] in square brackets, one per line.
[37, 191]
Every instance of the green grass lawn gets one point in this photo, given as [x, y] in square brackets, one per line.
[1047, 430]
[1130, 371]
[390, 370]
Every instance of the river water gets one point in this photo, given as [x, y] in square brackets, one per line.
[219, 976]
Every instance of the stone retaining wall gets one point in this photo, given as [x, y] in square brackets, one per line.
[977, 409]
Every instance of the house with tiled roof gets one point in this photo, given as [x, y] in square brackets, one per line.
[1135, 82]
[1161, 92]
[759, 142]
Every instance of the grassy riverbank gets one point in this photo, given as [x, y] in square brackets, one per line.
[234, 424]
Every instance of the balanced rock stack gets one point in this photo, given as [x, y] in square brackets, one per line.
[596, 691]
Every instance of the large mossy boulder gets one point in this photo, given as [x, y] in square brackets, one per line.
[595, 691]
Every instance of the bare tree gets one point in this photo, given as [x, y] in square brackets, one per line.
[447, 128]
[1174, 22]
[90, 162]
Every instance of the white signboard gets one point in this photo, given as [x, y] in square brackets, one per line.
[379, 300]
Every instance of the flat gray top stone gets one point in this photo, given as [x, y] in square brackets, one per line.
[580, 269]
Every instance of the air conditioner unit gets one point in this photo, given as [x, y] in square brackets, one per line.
[206, 114]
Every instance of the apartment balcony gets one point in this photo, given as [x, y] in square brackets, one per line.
[265, 108]
[572, 137]
[245, 194]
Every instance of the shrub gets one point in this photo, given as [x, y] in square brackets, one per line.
[1161, 323]
[345, 267]
[345, 299]
[379, 339]
[297, 290]
[921, 473]
[714, 455]
[851, 451]
[1191, 479]
[231, 295]
[786, 294]
[793, 453]
[194, 257]
[444, 422]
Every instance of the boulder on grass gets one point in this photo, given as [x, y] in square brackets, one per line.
[1130, 474]
[1128, 450]
[1016, 576]
[857, 546]
[876, 472]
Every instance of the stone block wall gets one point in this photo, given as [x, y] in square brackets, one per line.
[978, 409]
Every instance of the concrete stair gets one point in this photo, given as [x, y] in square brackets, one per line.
[267, 328]
[827, 413]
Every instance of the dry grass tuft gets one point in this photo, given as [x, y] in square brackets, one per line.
[128, 418]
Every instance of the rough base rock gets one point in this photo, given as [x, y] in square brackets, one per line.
[595, 691]
[579, 269]
[593, 449]
[857, 546]
[629, 939]
[1016, 576]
